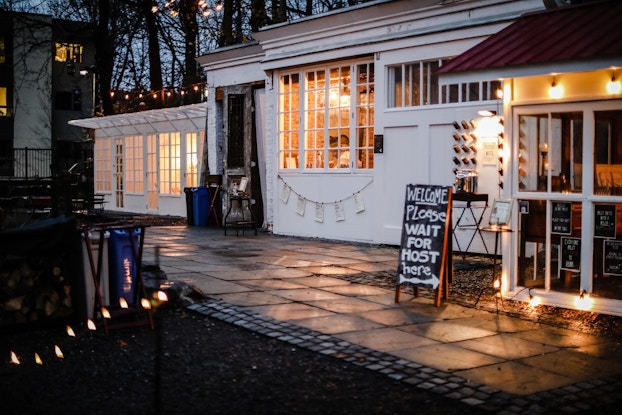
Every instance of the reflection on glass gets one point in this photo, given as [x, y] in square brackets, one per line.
[608, 153]
[550, 152]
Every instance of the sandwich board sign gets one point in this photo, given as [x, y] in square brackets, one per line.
[424, 249]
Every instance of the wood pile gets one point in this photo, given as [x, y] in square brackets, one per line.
[33, 291]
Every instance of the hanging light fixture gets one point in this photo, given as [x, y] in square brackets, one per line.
[556, 90]
[614, 86]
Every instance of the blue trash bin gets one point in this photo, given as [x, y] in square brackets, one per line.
[122, 269]
[201, 204]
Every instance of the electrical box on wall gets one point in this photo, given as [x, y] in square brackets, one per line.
[378, 144]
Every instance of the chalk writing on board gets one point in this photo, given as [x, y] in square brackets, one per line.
[612, 257]
[605, 221]
[570, 254]
[423, 235]
[561, 218]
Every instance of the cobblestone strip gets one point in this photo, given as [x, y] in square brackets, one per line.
[571, 399]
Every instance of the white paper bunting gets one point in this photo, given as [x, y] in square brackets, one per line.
[358, 202]
[340, 214]
[319, 212]
[285, 192]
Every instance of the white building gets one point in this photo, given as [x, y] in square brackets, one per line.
[352, 111]
[330, 117]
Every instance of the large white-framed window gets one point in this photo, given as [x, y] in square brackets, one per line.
[103, 165]
[332, 109]
[170, 163]
[134, 176]
[568, 187]
[416, 84]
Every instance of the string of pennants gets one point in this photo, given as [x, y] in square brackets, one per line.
[301, 202]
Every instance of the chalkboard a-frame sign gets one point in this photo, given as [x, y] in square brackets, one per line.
[423, 256]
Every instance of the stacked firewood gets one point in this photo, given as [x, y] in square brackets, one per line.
[33, 291]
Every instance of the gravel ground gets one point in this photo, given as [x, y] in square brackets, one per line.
[192, 364]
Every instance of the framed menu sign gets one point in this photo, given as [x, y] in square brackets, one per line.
[561, 218]
[612, 257]
[605, 221]
[570, 254]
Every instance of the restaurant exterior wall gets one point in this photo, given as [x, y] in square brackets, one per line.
[417, 140]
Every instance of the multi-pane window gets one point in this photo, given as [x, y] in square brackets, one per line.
[289, 121]
[134, 182]
[103, 177]
[192, 159]
[364, 144]
[68, 52]
[416, 84]
[170, 168]
[550, 152]
[335, 106]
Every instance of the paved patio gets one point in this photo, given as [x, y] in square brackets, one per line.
[287, 288]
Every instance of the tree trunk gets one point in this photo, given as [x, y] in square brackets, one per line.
[104, 55]
[155, 63]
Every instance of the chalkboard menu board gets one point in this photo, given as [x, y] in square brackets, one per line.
[605, 221]
[561, 218]
[612, 257]
[570, 255]
[424, 235]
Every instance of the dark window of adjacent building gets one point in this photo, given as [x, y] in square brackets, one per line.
[235, 142]
[2, 50]
[69, 100]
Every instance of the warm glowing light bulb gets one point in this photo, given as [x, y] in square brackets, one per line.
[556, 91]
[534, 301]
[145, 303]
[105, 312]
[14, 358]
[38, 359]
[614, 86]
[162, 296]
[122, 303]
[584, 301]
[70, 332]
[58, 352]
[90, 324]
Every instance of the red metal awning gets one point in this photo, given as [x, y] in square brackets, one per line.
[583, 37]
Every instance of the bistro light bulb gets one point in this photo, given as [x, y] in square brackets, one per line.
[556, 90]
[614, 86]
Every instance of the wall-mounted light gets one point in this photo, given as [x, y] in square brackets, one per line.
[614, 86]
[487, 113]
[556, 90]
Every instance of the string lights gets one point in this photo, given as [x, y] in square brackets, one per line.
[159, 297]
[202, 7]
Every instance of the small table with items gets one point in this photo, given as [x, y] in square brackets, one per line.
[240, 224]
[475, 204]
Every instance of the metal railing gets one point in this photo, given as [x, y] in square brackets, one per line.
[27, 163]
